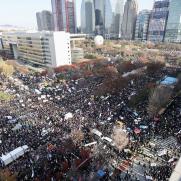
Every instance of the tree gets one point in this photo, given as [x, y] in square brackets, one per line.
[178, 85]
[77, 136]
[155, 66]
[106, 72]
[6, 69]
[90, 56]
[5, 96]
[6, 175]
[111, 85]
[120, 138]
[159, 99]
[125, 67]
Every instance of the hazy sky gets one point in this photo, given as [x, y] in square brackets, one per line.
[23, 12]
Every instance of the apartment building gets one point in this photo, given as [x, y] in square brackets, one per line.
[45, 48]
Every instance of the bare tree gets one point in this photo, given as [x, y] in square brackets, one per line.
[5, 175]
[120, 138]
[178, 85]
[155, 66]
[111, 86]
[77, 136]
[159, 99]
[6, 69]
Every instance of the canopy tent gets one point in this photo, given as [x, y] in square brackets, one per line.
[101, 173]
[13, 155]
[17, 127]
[68, 116]
[169, 81]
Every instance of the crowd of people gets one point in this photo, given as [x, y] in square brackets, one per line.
[36, 116]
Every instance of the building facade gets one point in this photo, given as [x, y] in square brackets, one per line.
[158, 21]
[173, 28]
[45, 21]
[45, 48]
[108, 15]
[64, 15]
[99, 16]
[129, 19]
[117, 18]
[1, 42]
[87, 17]
[142, 23]
[103, 17]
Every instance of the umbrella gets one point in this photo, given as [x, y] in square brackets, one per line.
[137, 131]
[156, 119]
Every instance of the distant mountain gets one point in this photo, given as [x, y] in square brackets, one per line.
[7, 27]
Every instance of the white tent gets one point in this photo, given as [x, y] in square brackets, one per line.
[17, 127]
[96, 132]
[68, 116]
[162, 152]
[13, 155]
[90, 144]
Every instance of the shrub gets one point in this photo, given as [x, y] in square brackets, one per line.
[159, 99]
[6, 69]
[90, 56]
[4, 96]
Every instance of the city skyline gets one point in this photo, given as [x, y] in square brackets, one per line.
[26, 11]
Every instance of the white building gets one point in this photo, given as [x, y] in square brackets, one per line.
[45, 48]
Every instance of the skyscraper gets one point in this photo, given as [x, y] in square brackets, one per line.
[142, 22]
[158, 21]
[99, 16]
[103, 16]
[87, 16]
[45, 21]
[107, 17]
[118, 18]
[129, 19]
[64, 15]
[173, 29]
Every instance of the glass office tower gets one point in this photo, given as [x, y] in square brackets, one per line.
[158, 21]
[142, 23]
[173, 29]
[87, 17]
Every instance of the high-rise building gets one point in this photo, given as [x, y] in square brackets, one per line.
[64, 15]
[99, 16]
[44, 21]
[173, 29]
[129, 19]
[87, 17]
[142, 22]
[118, 18]
[158, 21]
[108, 14]
[103, 16]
